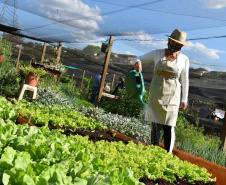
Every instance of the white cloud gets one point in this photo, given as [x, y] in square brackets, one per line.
[214, 4]
[128, 53]
[197, 64]
[81, 19]
[197, 49]
[202, 51]
[145, 39]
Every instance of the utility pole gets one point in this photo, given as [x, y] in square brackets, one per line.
[9, 13]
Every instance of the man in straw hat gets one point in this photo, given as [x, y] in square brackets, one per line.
[169, 87]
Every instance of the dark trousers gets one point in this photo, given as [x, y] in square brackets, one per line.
[169, 135]
[94, 95]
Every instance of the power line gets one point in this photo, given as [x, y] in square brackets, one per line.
[148, 40]
[138, 6]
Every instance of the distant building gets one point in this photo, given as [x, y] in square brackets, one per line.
[130, 61]
[115, 55]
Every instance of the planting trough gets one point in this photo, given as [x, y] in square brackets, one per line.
[216, 170]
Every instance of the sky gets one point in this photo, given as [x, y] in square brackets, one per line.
[138, 26]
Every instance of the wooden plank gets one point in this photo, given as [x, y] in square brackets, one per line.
[104, 71]
[110, 95]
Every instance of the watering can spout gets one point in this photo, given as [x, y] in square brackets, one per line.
[134, 84]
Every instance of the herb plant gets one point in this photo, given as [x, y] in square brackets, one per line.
[35, 71]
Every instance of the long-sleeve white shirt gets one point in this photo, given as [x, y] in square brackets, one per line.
[182, 62]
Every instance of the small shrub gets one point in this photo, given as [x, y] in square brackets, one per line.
[50, 96]
[10, 80]
[35, 71]
[5, 50]
[86, 90]
[124, 105]
[65, 79]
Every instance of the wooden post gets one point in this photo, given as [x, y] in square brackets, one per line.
[30, 62]
[58, 79]
[59, 52]
[84, 71]
[223, 134]
[104, 71]
[18, 58]
[113, 80]
[43, 52]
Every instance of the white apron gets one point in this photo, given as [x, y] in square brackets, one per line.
[164, 94]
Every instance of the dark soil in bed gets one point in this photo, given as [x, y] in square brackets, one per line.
[94, 135]
[178, 181]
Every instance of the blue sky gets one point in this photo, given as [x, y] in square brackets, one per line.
[138, 26]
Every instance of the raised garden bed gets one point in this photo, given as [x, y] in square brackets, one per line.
[108, 135]
[111, 136]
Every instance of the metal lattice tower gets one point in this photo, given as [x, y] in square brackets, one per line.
[9, 15]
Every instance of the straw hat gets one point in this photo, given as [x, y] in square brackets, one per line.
[179, 36]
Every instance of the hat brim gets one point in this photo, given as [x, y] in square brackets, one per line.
[180, 42]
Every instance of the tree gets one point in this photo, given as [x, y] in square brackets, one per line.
[91, 49]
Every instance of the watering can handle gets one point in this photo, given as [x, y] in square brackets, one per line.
[142, 88]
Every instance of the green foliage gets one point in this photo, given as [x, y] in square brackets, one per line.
[68, 88]
[79, 103]
[9, 80]
[65, 79]
[35, 71]
[191, 139]
[124, 105]
[24, 63]
[5, 50]
[48, 96]
[188, 137]
[129, 126]
[8, 111]
[86, 90]
[57, 115]
[47, 81]
[32, 155]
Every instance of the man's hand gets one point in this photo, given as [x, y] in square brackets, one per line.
[183, 106]
[138, 66]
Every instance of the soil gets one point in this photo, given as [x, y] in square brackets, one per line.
[178, 181]
[97, 135]
[94, 135]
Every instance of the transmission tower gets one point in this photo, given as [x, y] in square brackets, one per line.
[9, 15]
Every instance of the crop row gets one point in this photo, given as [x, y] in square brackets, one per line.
[50, 149]
[32, 155]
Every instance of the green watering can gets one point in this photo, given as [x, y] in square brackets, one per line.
[134, 84]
